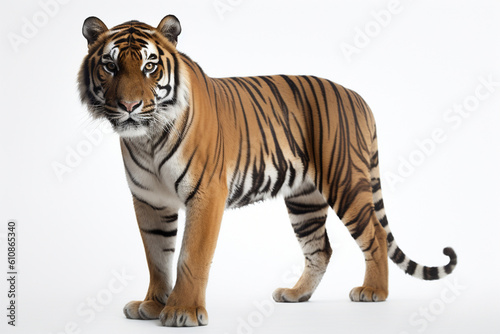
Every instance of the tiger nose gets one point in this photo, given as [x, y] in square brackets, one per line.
[129, 105]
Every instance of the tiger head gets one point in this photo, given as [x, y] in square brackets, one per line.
[132, 75]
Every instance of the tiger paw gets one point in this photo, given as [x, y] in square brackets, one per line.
[290, 295]
[367, 294]
[175, 316]
[145, 310]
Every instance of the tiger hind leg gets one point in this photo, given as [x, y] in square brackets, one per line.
[308, 211]
[374, 247]
[361, 221]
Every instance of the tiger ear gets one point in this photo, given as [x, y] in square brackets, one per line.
[170, 27]
[93, 28]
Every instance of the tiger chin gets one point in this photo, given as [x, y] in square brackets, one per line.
[205, 144]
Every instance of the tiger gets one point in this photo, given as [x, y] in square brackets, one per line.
[203, 145]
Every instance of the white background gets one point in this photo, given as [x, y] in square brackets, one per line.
[77, 232]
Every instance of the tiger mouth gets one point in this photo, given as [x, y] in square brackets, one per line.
[131, 127]
[118, 118]
[130, 123]
[133, 123]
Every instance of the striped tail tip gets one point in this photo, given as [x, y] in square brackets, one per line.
[448, 251]
[423, 272]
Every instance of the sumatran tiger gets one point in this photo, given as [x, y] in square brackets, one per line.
[203, 144]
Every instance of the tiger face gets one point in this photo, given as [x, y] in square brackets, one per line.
[128, 79]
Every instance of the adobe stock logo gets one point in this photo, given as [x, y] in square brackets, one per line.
[75, 154]
[224, 6]
[265, 308]
[31, 26]
[452, 119]
[422, 319]
[363, 36]
[89, 309]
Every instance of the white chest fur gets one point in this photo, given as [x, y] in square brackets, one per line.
[151, 179]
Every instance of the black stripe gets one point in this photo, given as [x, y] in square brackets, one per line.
[285, 122]
[379, 205]
[292, 174]
[267, 186]
[218, 155]
[307, 227]
[348, 197]
[262, 130]
[169, 73]
[162, 139]
[448, 251]
[230, 97]
[308, 115]
[361, 221]
[177, 76]
[319, 182]
[319, 250]
[134, 159]
[169, 218]
[162, 233]
[323, 93]
[133, 179]
[255, 101]
[179, 179]
[303, 208]
[296, 94]
[307, 191]
[238, 190]
[410, 269]
[256, 80]
[257, 90]
[158, 208]
[373, 251]
[304, 155]
[323, 236]
[197, 187]
[186, 271]
[246, 167]
[185, 128]
[258, 177]
[398, 256]
[369, 246]
[343, 161]
[431, 273]
[376, 186]
[279, 164]
[374, 160]
[390, 238]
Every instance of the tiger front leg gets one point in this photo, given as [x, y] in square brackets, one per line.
[158, 227]
[186, 305]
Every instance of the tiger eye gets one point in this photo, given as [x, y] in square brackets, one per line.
[111, 67]
[149, 67]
